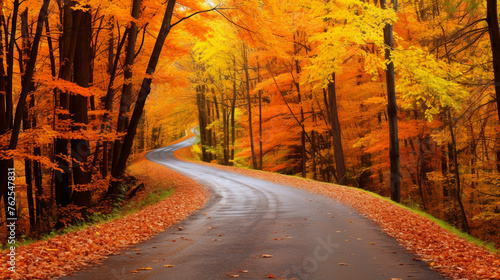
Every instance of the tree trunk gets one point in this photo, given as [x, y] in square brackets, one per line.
[392, 110]
[126, 97]
[67, 47]
[336, 133]
[80, 148]
[247, 84]
[26, 81]
[27, 117]
[494, 31]
[261, 156]
[145, 90]
[202, 121]
[233, 110]
[10, 66]
[458, 190]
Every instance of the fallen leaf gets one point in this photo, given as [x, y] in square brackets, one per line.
[233, 275]
[168, 265]
[244, 271]
[49, 249]
[267, 256]
[271, 276]
[145, 268]
[134, 271]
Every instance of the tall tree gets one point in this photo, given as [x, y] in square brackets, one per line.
[392, 108]
[144, 91]
[336, 135]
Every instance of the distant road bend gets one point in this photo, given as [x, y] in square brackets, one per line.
[254, 229]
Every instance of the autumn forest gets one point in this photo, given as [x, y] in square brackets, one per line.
[398, 98]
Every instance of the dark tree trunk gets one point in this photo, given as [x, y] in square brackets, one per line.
[233, 109]
[494, 31]
[126, 97]
[145, 90]
[458, 190]
[225, 122]
[392, 110]
[313, 148]
[67, 47]
[10, 66]
[26, 81]
[80, 148]
[249, 101]
[202, 121]
[261, 156]
[336, 133]
[3, 94]
[27, 117]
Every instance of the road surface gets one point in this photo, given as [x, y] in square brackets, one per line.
[306, 236]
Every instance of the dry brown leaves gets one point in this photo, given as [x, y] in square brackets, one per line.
[64, 254]
[447, 253]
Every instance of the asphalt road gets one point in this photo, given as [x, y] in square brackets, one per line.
[308, 236]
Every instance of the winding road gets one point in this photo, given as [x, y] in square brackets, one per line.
[257, 229]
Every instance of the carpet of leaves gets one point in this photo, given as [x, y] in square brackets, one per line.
[65, 254]
[450, 255]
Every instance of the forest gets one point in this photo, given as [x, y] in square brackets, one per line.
[399, 98]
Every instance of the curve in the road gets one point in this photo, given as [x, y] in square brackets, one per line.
[255, 229]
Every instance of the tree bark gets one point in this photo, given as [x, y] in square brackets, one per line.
[336, 133]
[494, 31]
[202, 121]
[80, 148]
[67, 48]
[233, 111]
[126, 97]
[249, 101]
[392, 110]
[10, 66]
[458, 190]
[27, 117]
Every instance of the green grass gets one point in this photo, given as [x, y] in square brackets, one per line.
[151, 198]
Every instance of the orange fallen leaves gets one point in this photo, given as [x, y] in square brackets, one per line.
[41, 260]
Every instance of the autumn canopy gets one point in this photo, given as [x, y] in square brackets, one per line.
[399, 98]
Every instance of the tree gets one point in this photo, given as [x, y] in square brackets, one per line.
[392, 108]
